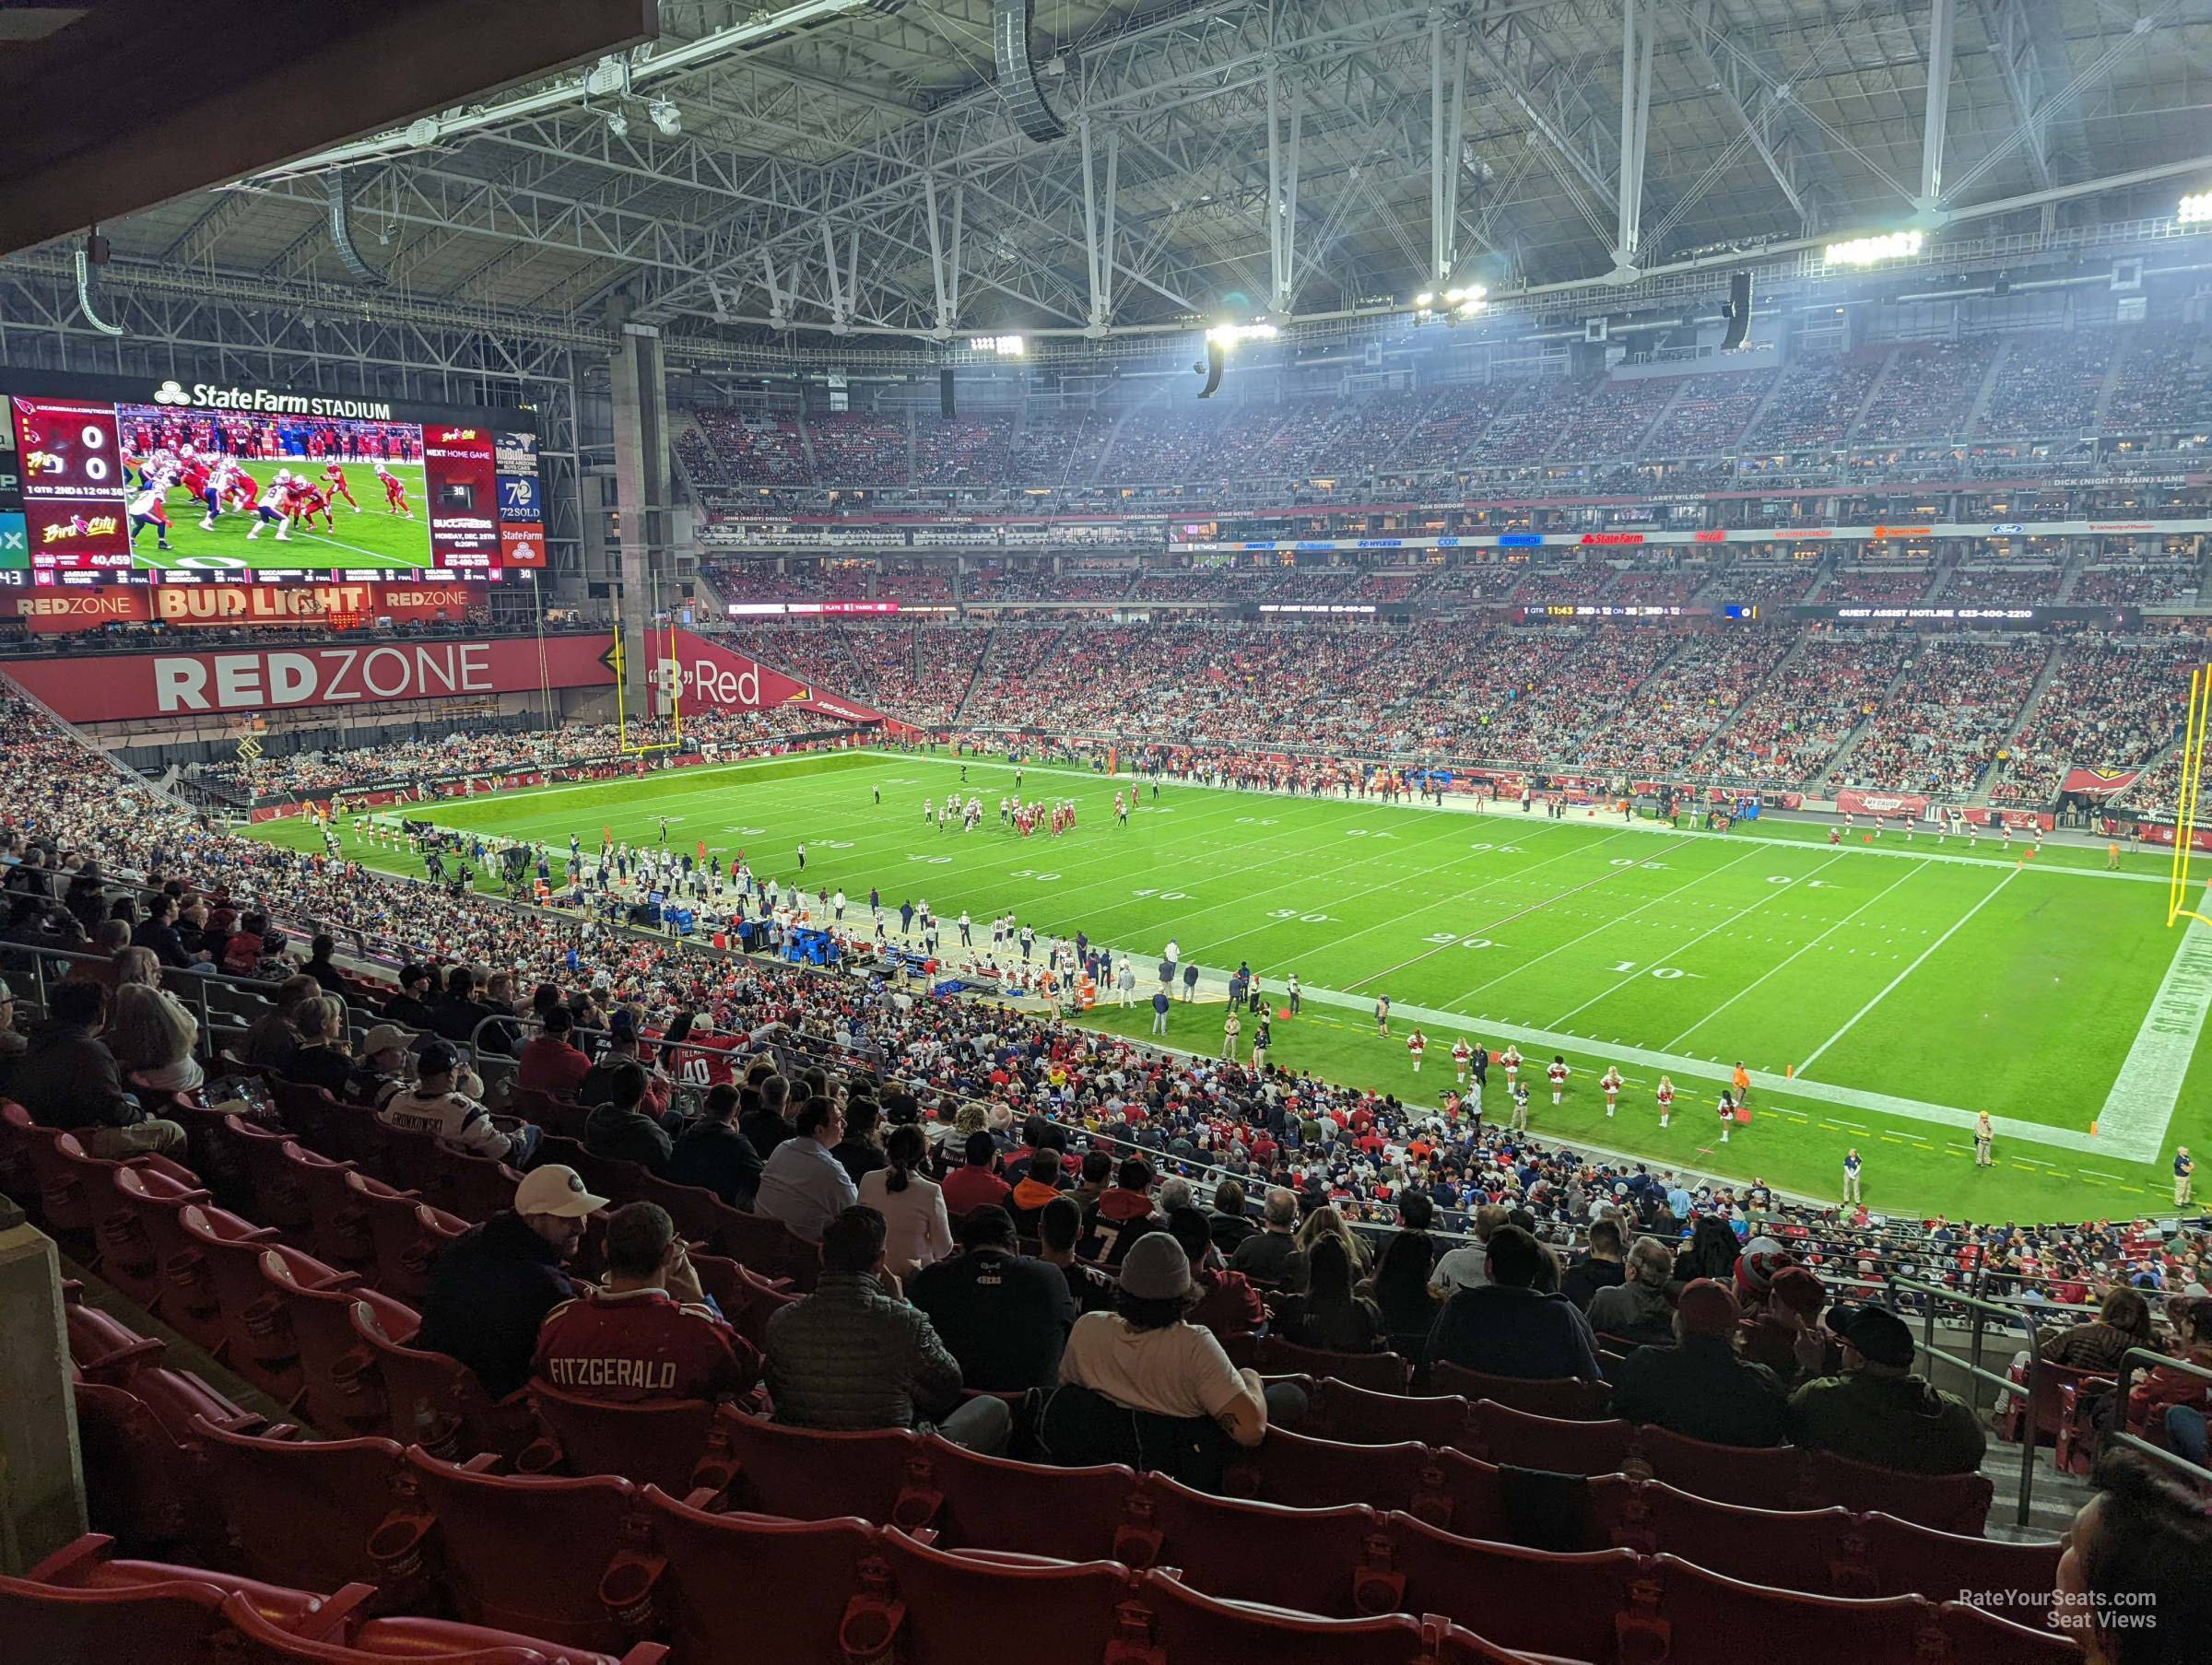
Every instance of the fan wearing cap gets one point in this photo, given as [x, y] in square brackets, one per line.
[435, 1104]
[1145, 1357]
[382, 1068]
[597, 1085]
[1699, 1388]
[493, 1286]
[1781, 1328]
[1879, 1411]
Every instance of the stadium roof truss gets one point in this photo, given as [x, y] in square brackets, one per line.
[854, 167]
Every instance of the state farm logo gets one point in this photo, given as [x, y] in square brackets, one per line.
[171, 393]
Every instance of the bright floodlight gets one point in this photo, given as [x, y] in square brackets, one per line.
[2196, 209]
[666, 117]
[1872, 250]
[1424, 300]
[1229, 334]
[1005, 346]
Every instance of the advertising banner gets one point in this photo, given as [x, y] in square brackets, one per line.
[113, 687]
[1850, 801]
[2098, 783]
[55, 612]
[709, 677]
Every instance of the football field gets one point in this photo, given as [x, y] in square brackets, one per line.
[1880, 993]
[368, 540]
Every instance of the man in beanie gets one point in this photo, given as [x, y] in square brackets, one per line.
[1879, 1411]
[1781, 1328]
[1699, 1388]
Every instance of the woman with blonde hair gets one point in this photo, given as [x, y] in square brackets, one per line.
[1327, 1223]
[323, 1059]
[152, 1036]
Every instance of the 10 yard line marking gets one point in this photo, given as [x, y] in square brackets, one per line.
[1891, 987]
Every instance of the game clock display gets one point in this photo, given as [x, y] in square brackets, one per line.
[196, 484]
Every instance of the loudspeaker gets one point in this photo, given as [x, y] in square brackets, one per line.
[1738, 312]
[1011, 21]
[1216, 361]
[944, 401]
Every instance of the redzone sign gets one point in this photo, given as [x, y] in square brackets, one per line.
[107, 689]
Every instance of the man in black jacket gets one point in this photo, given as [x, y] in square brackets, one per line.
[493, 1286]
[622, 1130]
[458, 1012]
[1003, 1316]
[1699, 1388]
[157, 931]
[410, 1007]
[69, 1080]
[766, 1125]
[712, 1152]
[1600, 1269]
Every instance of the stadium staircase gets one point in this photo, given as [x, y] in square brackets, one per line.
[2070, 579]
[1758, 410]
[1782, 666]
[863, 684]
[814, 468]
[975, 676]
[1873, 390]
[1817, 786]
[1097, 468]
[913, 445]
[1987, 391]
[2020, 719]
[2122, 351]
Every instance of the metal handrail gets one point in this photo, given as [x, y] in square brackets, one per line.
[1971, 1364]
[2121, 1435]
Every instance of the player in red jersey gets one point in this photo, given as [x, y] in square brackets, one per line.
[334, 480]
[396, 494]
[309, 502]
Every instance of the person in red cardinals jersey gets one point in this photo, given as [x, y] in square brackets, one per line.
[309, 502]
[396, 494]
[650, 1336]
[333, 478]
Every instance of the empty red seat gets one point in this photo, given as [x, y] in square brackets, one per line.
[406, 1234]
[470, 1184]
[1355, 1415]
[336, 1637]
[281, 1197]
[1536, 1601]
[1563, 1396]
[810, 1474]
[741, 1589]
[1377, 1372]
[768, 1247]
[490, 1536]
[1764, 1478]
[747, 1299]
[2039, 1416]
[141, 1483]
[301, 1512]
[1903, 1558]
[177, 1622]
[2017, 1636]
[1563, 1445]
[694, 1210]
[315, 1116]
[258, 1341]
[130, 1257]
[175, 1397]
[102, 1346]
[1310, 1559]
[1684, 1613]
[991, 1502]
[1949, 1502]
[76, 1191]
[184, 1295]
[340, 1390]
[937, 1606]
[435, 1401]
[659, 1444]
[1811, 1550]
[1187, 1627]
[1309, 1473]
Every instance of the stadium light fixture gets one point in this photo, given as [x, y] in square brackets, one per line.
[1872, 250]
[1004, 346]
[1425, 299]
[617, 124]
[2196, 209]
[666, 117]
[1227, 336]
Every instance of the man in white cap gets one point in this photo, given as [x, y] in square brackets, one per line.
[382, 1068]
[493, 1286]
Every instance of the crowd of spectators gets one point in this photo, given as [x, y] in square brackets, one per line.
[2048, 385]
[733, 449]
[962, 450]
[1929, 392]
[2163, 387]
[2160, 585]
[2111, 704]
[1791, 725]
[1816, 402]
[1666, 721]
[853, 448]
[1942, 731]
[1892, 584]
[1059, 448]
[1708, 415]
[2000, 586]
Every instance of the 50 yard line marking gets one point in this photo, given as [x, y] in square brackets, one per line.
[1891, 987]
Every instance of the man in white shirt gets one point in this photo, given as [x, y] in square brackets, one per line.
[801, 1184]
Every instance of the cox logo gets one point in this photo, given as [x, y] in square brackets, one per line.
[170, 392]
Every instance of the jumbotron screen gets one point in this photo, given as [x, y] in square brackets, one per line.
[103, 479]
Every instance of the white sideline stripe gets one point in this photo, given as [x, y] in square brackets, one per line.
[1774, 1089]
[2140, 1106]
[1890, 988]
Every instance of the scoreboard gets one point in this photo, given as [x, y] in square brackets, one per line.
[105, 479]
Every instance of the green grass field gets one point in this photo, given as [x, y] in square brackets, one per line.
[1880, 994]
[372, 539]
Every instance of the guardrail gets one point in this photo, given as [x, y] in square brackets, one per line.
[1970, 1364]
[2190, 1473]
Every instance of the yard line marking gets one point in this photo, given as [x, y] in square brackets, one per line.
[1610, 872]
[1755, 982]
[2140, 1105]
[1752, 907]
[1891, 987]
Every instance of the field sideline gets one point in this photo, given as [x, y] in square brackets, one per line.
[1905, 984]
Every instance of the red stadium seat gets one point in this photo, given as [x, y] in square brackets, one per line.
[991, 1502]
[1563, 1396]
[937, 1605]
[1902, 1558]
[314, 1115]
[1810, 1550]
[2046, 1415]
[76, 1191]
[1760, 1478]
[810, 1474]
[18, 1178]
[141, 1482]
[1356, 1416]
[563, 1118]
[338, 1236]
[2017, 1635]
[301, 1512]
[340, 1389]
[1187, 1627]
[696, 1211]
[741, 1589]
[1377, 1372]
[1310, 1559]
[661, 1445]
[747, 1299]
[1309, 1473]
[1949, 1502]
[1683, 1613]
[1536, 1600]
[1561, 1445]
[408, 1234]
[184, 1298]
[173, 1398]
[258, 1641]
[258, 1341]
[435, 1401]
[469, 1185]
[102, 1346]
[279, 1193]
[768, 1246]
[489, 1533]
[179, 1622]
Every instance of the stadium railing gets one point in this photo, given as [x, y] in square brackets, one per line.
[1968, 1363]
[2191, 1474]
